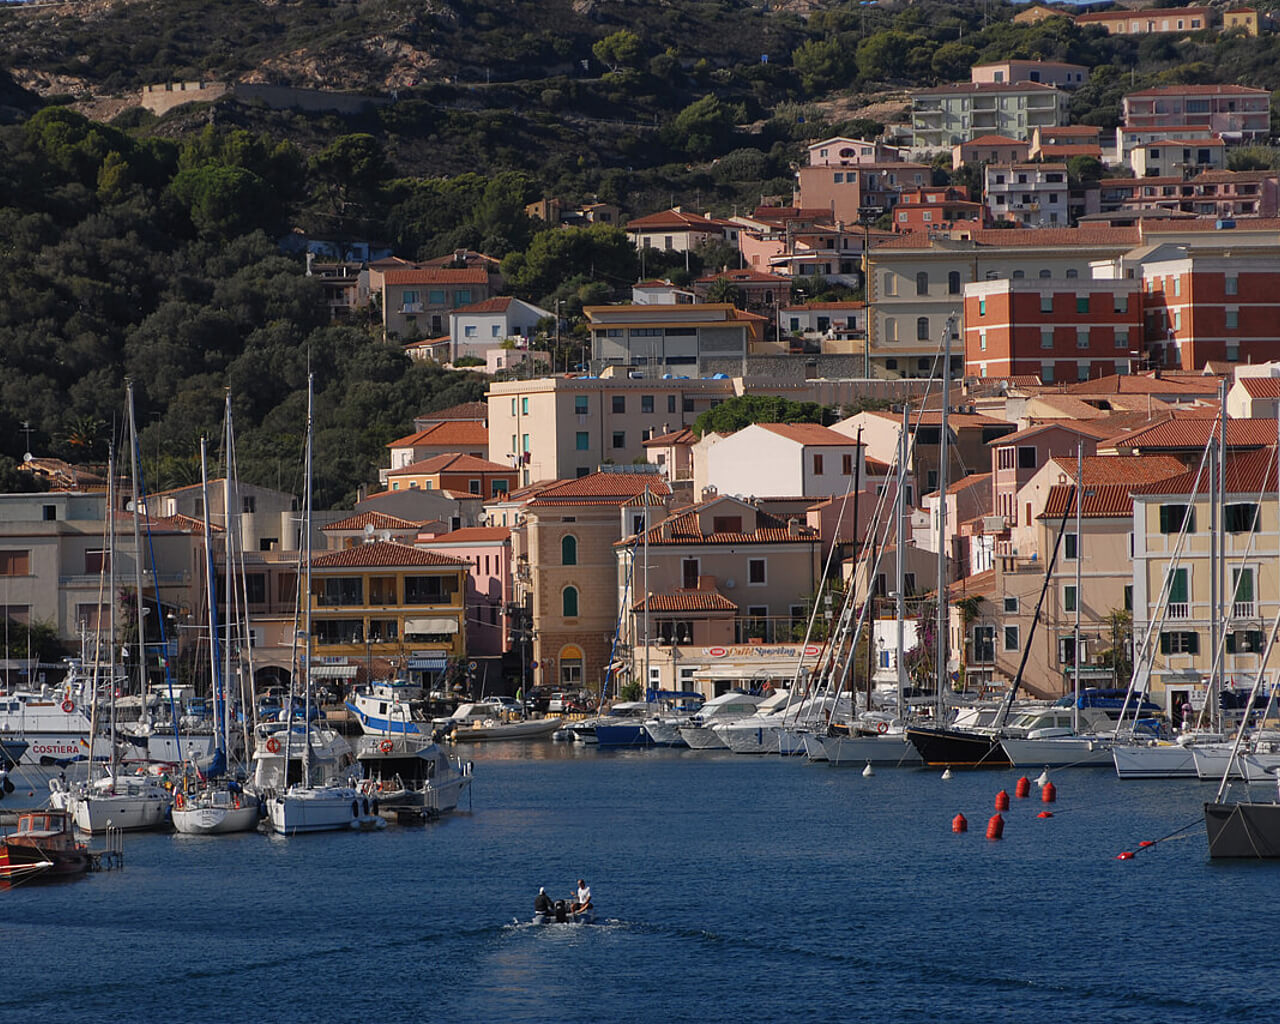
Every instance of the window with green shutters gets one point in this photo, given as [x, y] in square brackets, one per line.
[1178, 588]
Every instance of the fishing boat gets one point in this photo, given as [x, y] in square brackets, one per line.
[44, 846]
[311, 805]
[410, 774]
[391, 708]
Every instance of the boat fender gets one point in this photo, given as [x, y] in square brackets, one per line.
[375, 806]
[882, 728]
[365, 805]
[68, 706]
[236, 801]
[355, 808]
[273, 745]
[386, 746]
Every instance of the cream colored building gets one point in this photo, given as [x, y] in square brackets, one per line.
[1181, 653]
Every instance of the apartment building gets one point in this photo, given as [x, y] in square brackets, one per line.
[486, 551]
[417, 303]
[1046, 72]
[1172, 582]
[674, 230]
[674, 339]
[1058, 330]
[1150, 21]
[481, 327]
[455, 473]
[1178, 158]
[1237, 113]
[946, 115]
[1127, 139]
[932, 209]
[1031, 195]
[990, 149]
[850, 192]
[715, 594]
[785, 460]
[916, 283]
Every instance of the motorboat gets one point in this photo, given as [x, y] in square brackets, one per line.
[43, 732]
[777, 728]
[1059, 737]
[470, 713]
[495, 729]
[392, 708]
[623, 725]
[321, 808]
[410, 774]
[561, 912]
[42, 846]
[131, 803]
[1256, 761]
[215, 809]
[700, 731]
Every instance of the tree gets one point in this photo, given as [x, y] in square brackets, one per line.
[620, 50]
[744, 410]
[952, 61]
[702, 128]
[600, 252]
[724, 290]
[823, 64]
[222, 201]
[884, 55]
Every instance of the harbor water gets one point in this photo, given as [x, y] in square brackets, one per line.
[727, 888]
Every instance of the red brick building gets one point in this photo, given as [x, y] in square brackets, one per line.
[1063, 330]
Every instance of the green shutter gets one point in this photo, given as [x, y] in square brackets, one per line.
[1178, 587]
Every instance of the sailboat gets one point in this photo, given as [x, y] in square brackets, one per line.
[311, 805]
[117, 800]
[214, 805]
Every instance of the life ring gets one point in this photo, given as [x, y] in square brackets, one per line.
[273, 745]
[179, 801]
[68, 706]
[882, 728]
[386, 746]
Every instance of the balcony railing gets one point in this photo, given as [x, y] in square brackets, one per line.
[1242, 610]
[1179, 610]
[769, 629]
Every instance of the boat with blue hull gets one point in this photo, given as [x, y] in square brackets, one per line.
[624, 725]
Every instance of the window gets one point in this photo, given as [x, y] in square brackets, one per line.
[473, 486]
[1069, 598]
[1046, 373]
[568, 549]
[982, 307]
[435, 296]
[671, 403]
[1026, 456]
[1128, 597]
[846, 465]
[1180, 642]
[579, 404]
[922, 328]
[755, 571]
[15, 563]
[469, 331]
[817, 465]
[1121, 304]
[1240, 518]
[1046, 337]
[1231, 285]
[569, 602]
[689, 573]
[984, 644]
[1011, 638]
[922, 283]
[1082, 337]
[1072, 273]
[339, 590]
[497, 487]
[619, 439]
[429, 589]
[524, 442]
[583, 441]
[619, 403]
[1244, 641]
[1178, 588]
[1082, 303]
[646, 403]
[953, 283]
[1010, 605]
[1233, 319]
[1122, 338]
[1173, 516]
[513, 408]
[982, 341]
[96, 561]
[1242, 592]
[726, 524]
[1046, 302]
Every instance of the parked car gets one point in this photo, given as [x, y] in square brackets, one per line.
[509, 704]
[536, 701]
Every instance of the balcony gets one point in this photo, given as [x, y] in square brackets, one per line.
[1242, 610]
[769, 629]
[1179, 610]
[411, 307]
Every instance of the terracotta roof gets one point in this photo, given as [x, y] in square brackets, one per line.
[378, 520]
[933, 418]
[1243, 224]
[462, 411]
[965, 482]
[676, 218]
[472, 535]
[1085, 427]
[1073, 130]
[1246, 473]
[994, 140]
[436, 276]
[606, 489]
[687, 601]
[1261, 387]
[683, 528]
[1063, 149]
[1104, 501]
[682, 436]
[381, 553]
[1193, 433]
[1144, 384]
[826, 305]
[1121, 470]
[497, 304]
[809, 434]
[461, 433]
[875, 467]
[1183, 142]
[980, 584]
[451, 462]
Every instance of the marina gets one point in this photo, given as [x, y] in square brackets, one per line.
[727, 888]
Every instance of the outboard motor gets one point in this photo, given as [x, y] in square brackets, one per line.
[562, 912]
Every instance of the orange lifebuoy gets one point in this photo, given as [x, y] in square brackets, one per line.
[273, 745]
[68, 706]
[179, 801]
[882, 728]
[386, 746]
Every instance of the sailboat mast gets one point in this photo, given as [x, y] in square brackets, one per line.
[940, 641]
[900, 541]
[1075, 657]
[211, 596]
[306, 599]
[111, 617]
[230, 591]
[1220, 531]
[137, 545]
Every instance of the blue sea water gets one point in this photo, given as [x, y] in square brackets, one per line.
[730, 889]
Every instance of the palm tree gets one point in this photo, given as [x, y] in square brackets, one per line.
[724, 290]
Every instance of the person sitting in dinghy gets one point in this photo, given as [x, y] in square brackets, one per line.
[542, 902]
[583, 903]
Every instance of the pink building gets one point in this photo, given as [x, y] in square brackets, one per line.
[487, 552]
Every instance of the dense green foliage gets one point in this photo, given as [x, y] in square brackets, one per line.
[744, 410]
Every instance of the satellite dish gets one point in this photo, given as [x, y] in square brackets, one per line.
[368, 529]
[27, 456]
[385, 535]
[729, 584]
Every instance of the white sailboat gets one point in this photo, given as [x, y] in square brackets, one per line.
[313, 805]
[213, 806]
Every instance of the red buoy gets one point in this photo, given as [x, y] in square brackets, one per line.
[1045, 814]
[1126, 855]
[959, 823]
[1002, 801]
[1146, 842]
[1023, 788]
[1050, 793]
[995, 827]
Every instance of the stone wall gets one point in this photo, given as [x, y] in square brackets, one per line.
[160, 99]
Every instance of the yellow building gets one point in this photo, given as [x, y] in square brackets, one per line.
[385, 600]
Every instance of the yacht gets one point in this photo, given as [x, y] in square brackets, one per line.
[273, 741]
[52, 725]
[216, 810]
[876, 737]
[700, 732]
[410, 774]
[777, 728]
[130, 803]
[623, 725]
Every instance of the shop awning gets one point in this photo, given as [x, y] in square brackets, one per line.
[333, 671]
[430, 626]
